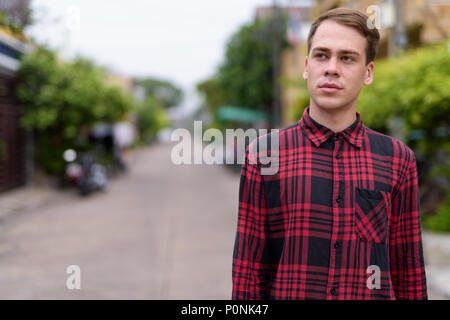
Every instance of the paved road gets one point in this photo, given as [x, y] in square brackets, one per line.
[161, 232]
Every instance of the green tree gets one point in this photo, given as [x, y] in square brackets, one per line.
[167, 94]
[245, 78]
[212, 94]
[151, 118]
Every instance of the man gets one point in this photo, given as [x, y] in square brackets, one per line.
[340, 219]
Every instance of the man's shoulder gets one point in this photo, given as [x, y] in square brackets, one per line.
[291, 127]
[387, 145]
[274, 135]
[269, 144]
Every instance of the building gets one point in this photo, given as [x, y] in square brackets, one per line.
[15, 144]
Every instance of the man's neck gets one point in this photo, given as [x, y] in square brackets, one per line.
[336, 120]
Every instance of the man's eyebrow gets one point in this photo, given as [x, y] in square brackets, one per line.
[346, 51]
[321, 49]
[356, 53]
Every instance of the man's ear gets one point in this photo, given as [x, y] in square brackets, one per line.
[305, 72]
[368, 78]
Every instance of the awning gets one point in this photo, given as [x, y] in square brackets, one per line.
[240, 114]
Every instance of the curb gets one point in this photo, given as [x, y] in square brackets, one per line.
[24, 199]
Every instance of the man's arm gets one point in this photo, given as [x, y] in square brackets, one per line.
[406, 251]
[250, 265]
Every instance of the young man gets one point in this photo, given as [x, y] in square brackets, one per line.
[340, 219]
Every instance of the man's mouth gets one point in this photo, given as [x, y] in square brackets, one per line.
[329, 87]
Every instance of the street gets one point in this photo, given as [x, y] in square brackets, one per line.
[161, 232]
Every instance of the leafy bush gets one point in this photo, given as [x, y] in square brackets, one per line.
[61, 100]
[441, 220]
[295, 111]
[151, 118]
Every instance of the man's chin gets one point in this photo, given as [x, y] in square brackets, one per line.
[330, 103]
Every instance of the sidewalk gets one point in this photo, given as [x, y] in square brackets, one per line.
[437, 262]
[26, 199]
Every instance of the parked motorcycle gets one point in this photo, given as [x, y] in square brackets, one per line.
[85, 172]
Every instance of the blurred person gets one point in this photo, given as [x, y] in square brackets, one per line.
[340, 219]
[102, 135]
[123, 138]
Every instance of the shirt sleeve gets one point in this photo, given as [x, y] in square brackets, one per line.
[250, 267]
[405, 247]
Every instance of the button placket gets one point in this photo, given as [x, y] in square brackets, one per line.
[335, 253]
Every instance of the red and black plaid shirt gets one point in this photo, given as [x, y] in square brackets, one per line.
[339, 204]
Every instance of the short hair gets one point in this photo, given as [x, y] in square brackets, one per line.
[354, 19]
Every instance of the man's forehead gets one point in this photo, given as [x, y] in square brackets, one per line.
[338, 37]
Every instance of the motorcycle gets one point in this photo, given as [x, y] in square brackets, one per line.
[86, 173]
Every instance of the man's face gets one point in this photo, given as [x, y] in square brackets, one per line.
[336, 67]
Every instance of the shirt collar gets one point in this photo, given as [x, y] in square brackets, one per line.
[318, 133]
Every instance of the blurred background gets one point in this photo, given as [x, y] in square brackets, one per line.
[90, 92]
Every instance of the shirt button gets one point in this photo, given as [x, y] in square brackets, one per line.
[338, 156]
[337, 244]
[338, 199]
[333, 291]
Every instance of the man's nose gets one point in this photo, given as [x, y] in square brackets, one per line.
[332, 70]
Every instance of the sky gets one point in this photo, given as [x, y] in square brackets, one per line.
[176, 40]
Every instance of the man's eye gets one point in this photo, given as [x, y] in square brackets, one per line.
[320, 55]
[347, 59]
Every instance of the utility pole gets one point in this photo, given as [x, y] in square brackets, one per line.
[276, 64]
[400, 35]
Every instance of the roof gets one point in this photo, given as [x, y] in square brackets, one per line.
[10, 51]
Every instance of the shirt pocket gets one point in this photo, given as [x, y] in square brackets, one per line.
[371, 214]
